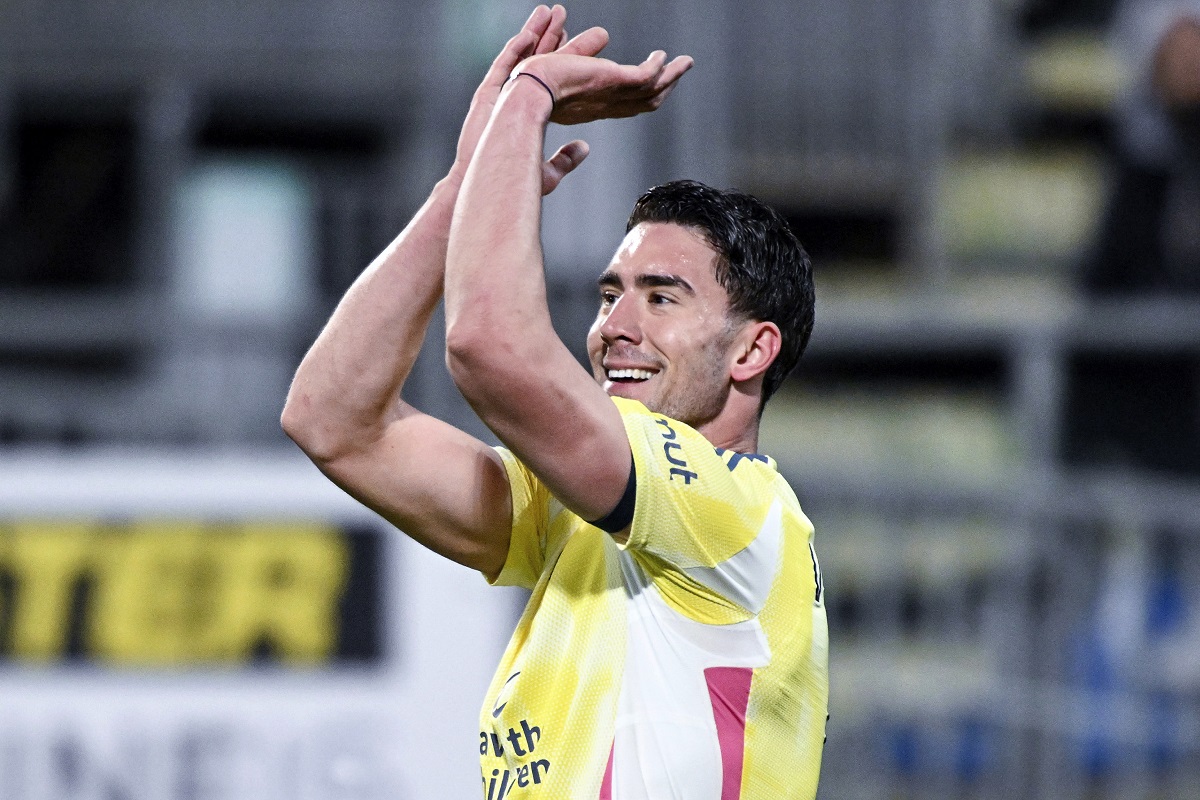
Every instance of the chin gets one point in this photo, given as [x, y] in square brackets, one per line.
[630, 391]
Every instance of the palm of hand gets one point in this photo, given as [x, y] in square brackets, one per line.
[587, 88]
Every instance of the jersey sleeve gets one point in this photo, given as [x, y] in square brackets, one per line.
[706, 528]
[530, 522]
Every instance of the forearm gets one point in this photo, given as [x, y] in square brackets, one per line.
[502, 349]
[494, 278]
[494, 275]
[348, 386]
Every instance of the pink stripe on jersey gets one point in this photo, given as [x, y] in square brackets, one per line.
[606, 784]
[729, 691]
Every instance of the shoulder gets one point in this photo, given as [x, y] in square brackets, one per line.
[681, 453]
[663, 446]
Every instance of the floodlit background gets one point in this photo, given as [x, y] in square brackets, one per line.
[997, 439]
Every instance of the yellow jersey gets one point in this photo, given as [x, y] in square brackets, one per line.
[689, 662]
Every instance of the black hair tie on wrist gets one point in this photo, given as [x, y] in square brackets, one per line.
[553, 102]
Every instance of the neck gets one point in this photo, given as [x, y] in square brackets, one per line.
[735, 428]
[746, 442]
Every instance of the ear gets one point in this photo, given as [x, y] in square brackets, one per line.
[756, 349]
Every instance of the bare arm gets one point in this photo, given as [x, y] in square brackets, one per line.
[345, 410]
[438, 484]
[501, 348]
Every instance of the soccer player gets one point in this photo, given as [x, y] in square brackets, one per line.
[674, 644]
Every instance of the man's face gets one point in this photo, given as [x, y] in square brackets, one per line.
[663, 333]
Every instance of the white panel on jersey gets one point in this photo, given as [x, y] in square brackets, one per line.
[666, 745]
[746, 578]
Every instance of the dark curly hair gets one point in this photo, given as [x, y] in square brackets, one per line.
[761, 264]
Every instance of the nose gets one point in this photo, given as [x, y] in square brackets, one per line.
[621, 321]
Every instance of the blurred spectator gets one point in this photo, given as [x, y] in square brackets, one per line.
[1144, 411]
[1151, 237]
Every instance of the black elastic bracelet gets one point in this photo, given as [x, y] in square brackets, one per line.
[516, 75]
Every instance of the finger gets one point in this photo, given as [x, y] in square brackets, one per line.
[657, 74]
[588, 43]
[539, 18]
[508, 56]
[540, 23]
[667, 80]
[672, 72]
[649, 100]
[562, 39]
[643, 77]
[655, 61]
[659, 61]
[563, 163]
[657, 100]
[519, 45]
[516, 48]
[550, 37]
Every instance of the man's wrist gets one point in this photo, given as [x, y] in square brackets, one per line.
[540, 82]
[530, 93]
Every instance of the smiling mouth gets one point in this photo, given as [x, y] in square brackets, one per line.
[629, 375]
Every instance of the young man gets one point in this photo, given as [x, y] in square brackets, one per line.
[674, 645]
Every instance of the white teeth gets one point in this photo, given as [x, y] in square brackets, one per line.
[636, 374]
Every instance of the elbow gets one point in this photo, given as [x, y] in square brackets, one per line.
[297, 420]
[293, 420]
[473, 353]
[303, 423]
[463, 361]
[467, 336]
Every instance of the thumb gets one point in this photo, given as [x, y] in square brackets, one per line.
[562, 163]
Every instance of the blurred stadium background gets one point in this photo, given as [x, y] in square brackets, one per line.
[1004, 469]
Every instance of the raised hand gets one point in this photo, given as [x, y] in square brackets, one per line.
[542, 33]
[586, 88]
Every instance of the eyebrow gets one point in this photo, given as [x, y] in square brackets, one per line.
[646, 280]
